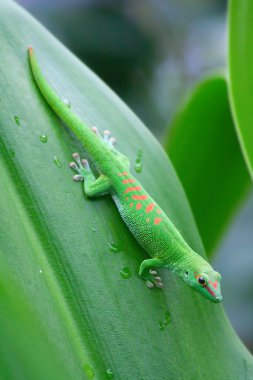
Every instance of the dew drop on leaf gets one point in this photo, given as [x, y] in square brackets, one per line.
[88, 370]
[167, 317]
[138, 163]
[161, 326]
[12, 153]
[113, 247]
[109, 373]
[57, 162]
[16, 118]
[43, 138]
[67, 102]
[125, 272]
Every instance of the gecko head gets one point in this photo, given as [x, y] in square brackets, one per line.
[206, 282]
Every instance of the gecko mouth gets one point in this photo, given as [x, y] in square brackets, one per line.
[217, 298]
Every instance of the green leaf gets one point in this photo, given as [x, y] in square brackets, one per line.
[240, 50]
[56, 242]
[24, 349]
[203, 147]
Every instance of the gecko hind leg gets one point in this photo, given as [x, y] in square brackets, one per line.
[147, 273]
[108, 139]
[110, 142]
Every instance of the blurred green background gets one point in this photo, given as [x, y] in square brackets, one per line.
[151, 53]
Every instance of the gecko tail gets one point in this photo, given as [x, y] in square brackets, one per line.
[60, 107]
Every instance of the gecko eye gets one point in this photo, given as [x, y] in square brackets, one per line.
[201, 280]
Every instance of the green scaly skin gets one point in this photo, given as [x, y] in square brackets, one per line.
[148, 223]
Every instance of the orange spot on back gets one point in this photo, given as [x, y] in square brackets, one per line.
[157, 220]
[138, 206]
[150, 207]
[131, 204]
[127, 199]
[128, 181]
[159, 211]
[134, 188]
[147, 220]
[124, 173]
[139, 197]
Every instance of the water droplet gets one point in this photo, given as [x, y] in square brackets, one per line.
[113, 247]
[12, 153]
[167, 319]
[57, 162]
[161, 326]
[16, 118]
[88, 370]
[109, 373]
[138, 163]
[40, 271]
[125, 272]
[43, 138]
[67, 102]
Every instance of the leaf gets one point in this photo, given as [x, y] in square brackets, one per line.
[203, 147]
[56, 242]
[240, 50]
[24, 350]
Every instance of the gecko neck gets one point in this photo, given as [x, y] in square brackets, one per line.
[187, 261]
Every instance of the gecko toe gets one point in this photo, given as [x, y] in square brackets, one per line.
[73, 166]
[149, 284]
[85, 164]
[95, 130]
[112, 141]
[76, 156]
[77, 177]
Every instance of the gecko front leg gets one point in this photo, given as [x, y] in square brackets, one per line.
[147, 273]
[93, 187]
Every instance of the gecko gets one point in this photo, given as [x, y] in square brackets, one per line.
[146, 220]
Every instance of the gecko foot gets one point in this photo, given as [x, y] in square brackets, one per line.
[81, 167]
[154, 280]
[108, 139]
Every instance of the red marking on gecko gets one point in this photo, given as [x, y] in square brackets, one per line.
[159, 211]
[150, 207]
[214, 284]
[127, 199]
[157, 220]
[139, 197]
[209, 291]
[128, 181]
[124, 173]
[131, 204]
[147, 220]
[138, 206]
[134, 188]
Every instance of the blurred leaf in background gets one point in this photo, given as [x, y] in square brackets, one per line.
[241, 73]
[205, 152]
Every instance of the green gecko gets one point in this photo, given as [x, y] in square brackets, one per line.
[152, 228]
